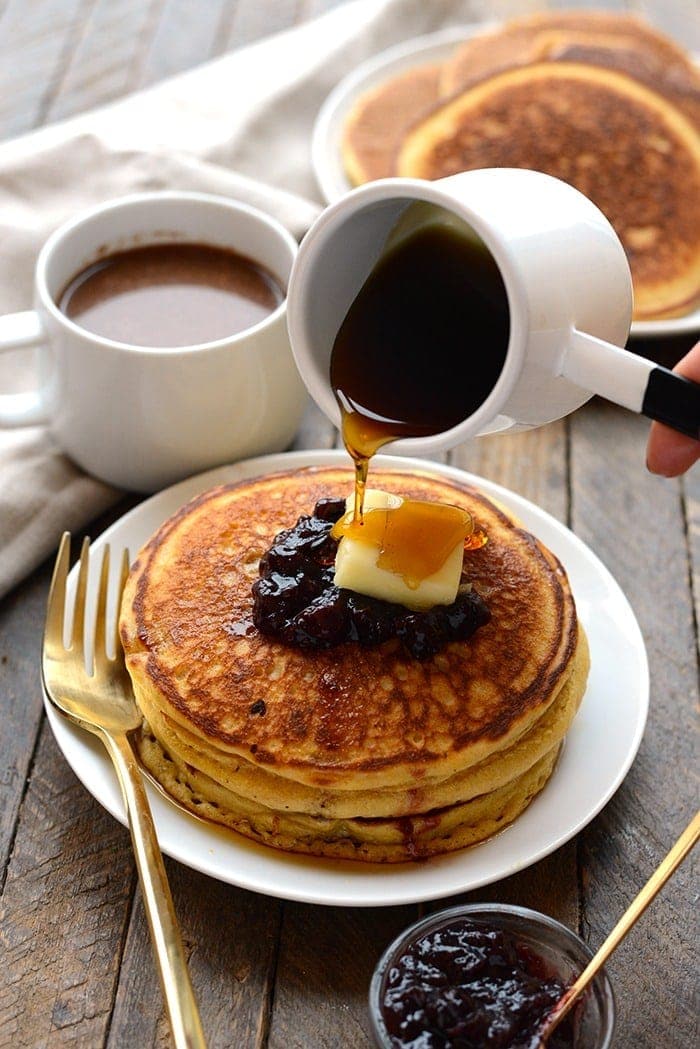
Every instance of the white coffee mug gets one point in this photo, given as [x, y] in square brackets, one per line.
[141, 417]
[568, 287]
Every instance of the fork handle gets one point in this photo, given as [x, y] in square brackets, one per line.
[165, 933]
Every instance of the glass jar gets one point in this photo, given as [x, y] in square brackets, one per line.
[564, 955]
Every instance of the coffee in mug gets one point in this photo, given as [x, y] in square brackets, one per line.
[125, 407]
[170, 294]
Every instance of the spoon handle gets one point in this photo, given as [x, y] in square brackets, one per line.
[639, 904]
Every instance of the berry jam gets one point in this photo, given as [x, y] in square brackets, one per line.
[296, 600]
[468, 986]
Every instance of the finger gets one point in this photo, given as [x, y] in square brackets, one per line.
[670, 453]
[689, 366]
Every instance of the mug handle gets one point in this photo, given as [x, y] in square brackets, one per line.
[633, 382]
[18, 330]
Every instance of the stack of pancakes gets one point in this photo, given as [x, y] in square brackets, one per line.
[353, 752]
[601, 100]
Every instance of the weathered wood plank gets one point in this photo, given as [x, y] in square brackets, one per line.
[326, 960]
[249, 20]
[549, 886]
[64, 912]
[230, 937]
[533, 464]
[187, 33]
[21, 625]
[61, 858]
[34, 49]
[634, 522]
[106, 57]
[690, 489]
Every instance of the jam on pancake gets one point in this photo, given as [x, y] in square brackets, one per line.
[297, 598]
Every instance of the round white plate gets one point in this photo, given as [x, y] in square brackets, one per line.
[599, 749]
[688, 324]
[326, 155]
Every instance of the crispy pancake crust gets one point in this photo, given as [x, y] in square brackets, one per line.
[681, 87]
[623, 145]
[381, 115]
[371, 840]
[243, 780]
[349, 717]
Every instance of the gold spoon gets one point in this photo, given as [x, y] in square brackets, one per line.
[639, 904]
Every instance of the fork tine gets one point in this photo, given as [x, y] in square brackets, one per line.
[56, 605]
[100, 654]
[78, 632]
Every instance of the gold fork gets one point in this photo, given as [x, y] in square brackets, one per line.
[97, 695]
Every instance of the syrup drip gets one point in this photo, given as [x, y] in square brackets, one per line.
[434, 302]
[363, 436]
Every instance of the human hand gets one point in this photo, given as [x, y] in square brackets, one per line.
[669, 453]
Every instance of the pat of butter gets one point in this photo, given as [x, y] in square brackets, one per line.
[356, 566]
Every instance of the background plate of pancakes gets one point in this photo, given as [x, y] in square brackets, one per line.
[412, 108]
[598, 751]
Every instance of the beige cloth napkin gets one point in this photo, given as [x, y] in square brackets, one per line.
[239, 125]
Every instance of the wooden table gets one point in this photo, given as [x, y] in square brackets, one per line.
[77, 967]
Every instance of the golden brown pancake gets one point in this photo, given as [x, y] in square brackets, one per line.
[380, 840]
[680, 86]
[626, 147]
[634, 55]
[424, 819]
[378, 119]
[245, 779]
[350, 751]
[535, 37]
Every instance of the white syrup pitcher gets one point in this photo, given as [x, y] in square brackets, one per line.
[567, 283]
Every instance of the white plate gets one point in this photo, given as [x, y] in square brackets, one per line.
[326, 155]
[688, 324]
[599, 750]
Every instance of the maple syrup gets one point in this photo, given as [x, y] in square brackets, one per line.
[430, 531]
[419, 350]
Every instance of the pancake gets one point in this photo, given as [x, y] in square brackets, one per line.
[377, 121]
[374, 127]
[676, 78]
[350, 751]
[416, 795]
[626, 147]
[538, 36]
[679, 85]
[372, 840]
